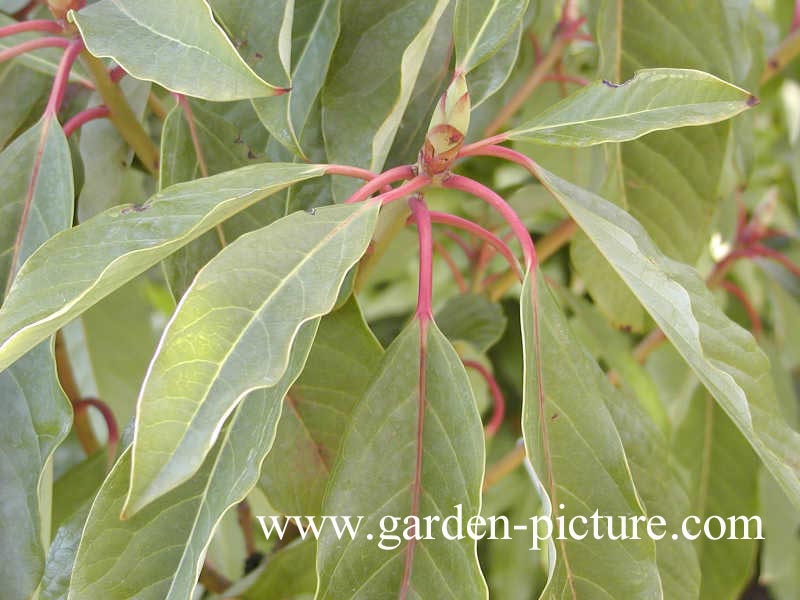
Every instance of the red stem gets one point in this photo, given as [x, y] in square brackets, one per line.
[372, 186]
[42, 42]
[796, 17]
[408, 188]
[117, 73]
[480, 232]
[499, 406]
[468, 251]
[83, 117]
[451, 264]
[752, 313]
[43, 25]
[465, 184]
[473, 148]
[425, 293]
[108, 416]
[355, 172]
[767, 252]
[74, 48]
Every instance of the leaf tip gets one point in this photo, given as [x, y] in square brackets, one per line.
[752, 101]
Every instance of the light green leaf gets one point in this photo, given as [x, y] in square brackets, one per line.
[157, 553]
[317, 411]
[482, 27]
[578, 459]
[61, 556]
[724, 356]
[669, 180]
[232, 332]
[493, 73]
[176, 44]
[381, 50]
[434, 459]
[133, 238]
[780, 558]
[36, 418]
[289, 574]
[472, 318]
[720, 471]
[76, 487]
[17, 109]
[654, 100]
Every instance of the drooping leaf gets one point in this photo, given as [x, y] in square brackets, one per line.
[157, 553]
[381, 49]
[721, 473]
[134, 238]
[654, 100]
[482, 27]
[317, 410]
[578, 459]
[724, 356]
[36, 418]
[176, 44]
[36, 203]
[419, 463]
[250, 299]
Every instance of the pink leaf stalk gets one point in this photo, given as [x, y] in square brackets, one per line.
[372, 186]
[468, 251]
[83, 117]
[30, 45]
[752, 313]
[41, 25]
[198, 150]
[74, 48]
[767, 252]
[408, 188]
[108, 417]
[499, 403]
[423, 220]
[451, 264]
[465, 184]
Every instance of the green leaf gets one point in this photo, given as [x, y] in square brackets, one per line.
[17, 109]
[482, 27]
[721, 472]
[472, 318]
[318, 409]
[578, 458]
[36, 418]
[36, 171]
[175, 44]
[417, 464]
[485, 80]
[724, 356]
[232, 332]
[78, 486]
[289, 574]
[669, 180]
[61, 556]
[654, 100]
[157, 553]
[381, 50]
[135, 238]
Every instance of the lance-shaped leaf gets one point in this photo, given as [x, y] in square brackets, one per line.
[720, 471]
[317, 410]
[157, 554]
[37, 202]
[482, 27]
[417, 434]
[90, 261]
[176, 44]
[232, 332]
[378, 59]
[578, 458]
[654, 100]
[724, 356]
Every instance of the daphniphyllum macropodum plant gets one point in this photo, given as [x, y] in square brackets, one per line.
[408, 261]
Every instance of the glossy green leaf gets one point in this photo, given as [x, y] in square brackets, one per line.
[730, 364]
[472, 318]
[317, 410]
[157, 553]
[481, 27]
[435, 462]
[490, 76]
[654, 100]
[578, 458]
[669, 180]
[193, 54]
[721, 472]
[232, 332]
[135, 238]
[381, 50]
